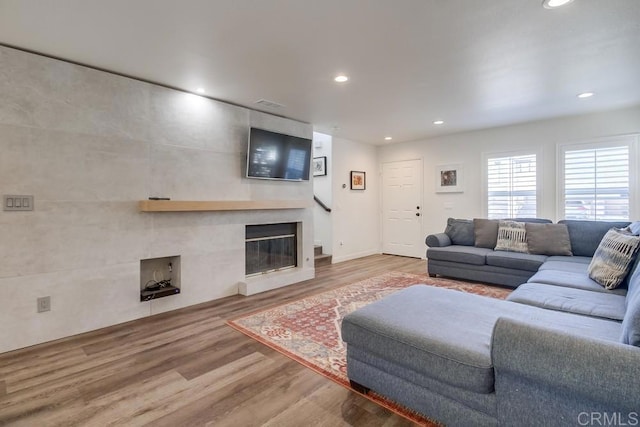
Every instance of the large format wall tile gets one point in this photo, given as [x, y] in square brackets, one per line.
[195, 174]
[81, 300]
[194, 121]
[50, 94]
[88, 146]
[58, 165]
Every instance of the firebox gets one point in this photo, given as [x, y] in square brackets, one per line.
[270, 247]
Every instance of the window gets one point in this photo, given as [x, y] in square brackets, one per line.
[511, 186]
[596, 180]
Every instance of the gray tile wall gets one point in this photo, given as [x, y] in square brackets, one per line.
[88, 145]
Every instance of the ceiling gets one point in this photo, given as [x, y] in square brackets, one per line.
[472, 63]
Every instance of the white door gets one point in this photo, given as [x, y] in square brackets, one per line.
[402, 208]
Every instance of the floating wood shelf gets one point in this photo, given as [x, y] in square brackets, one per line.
[222, 205]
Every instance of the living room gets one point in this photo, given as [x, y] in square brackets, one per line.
[90, 142]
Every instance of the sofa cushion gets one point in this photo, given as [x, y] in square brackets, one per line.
[548, 239]
[462, 254]
[586, 235]
[570, 300]
[565, 265]
[515, 260]
[571, 279]
[437, 332]
[460, 231]
[631, 322]
[531, 220]
[574, 259]
[485, 232]
[512, 237]
[613, 258]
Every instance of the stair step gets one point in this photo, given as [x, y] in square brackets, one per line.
[317, 250]
[323, 259]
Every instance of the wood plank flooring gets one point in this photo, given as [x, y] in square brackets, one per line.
[188, 368]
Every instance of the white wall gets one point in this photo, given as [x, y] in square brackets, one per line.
[322, 220]
[88, 145]
[356, 218]
[468, 149]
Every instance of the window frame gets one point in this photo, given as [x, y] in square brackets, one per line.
[500, 154]
[630, 141]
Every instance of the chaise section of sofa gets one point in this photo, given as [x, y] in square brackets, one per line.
[431, 349]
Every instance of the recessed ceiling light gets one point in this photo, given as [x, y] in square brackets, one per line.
[438, 122]
[200, 90]
[388, 138]
[341, 78]
[585, 95]
[553, 4]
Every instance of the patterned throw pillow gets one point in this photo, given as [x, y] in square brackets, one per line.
[615, 254]
[512, 237]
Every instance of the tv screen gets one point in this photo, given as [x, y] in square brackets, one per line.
[277, 156]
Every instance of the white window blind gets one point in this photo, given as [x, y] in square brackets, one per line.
[596, 183]
[512, 187]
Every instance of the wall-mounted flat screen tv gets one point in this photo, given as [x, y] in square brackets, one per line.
[277, 156]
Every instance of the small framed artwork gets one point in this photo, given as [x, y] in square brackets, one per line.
[358, 180]
[320, 166]
[449, 178]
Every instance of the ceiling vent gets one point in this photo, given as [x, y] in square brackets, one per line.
[265, 103]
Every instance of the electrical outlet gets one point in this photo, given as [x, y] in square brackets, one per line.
[44, 304]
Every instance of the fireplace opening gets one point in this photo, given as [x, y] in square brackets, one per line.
[270, 247]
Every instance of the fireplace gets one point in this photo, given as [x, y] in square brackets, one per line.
[270, 247]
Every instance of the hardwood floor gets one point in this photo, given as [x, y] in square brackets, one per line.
[188, 368]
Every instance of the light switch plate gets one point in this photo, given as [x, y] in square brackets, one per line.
[17, 203]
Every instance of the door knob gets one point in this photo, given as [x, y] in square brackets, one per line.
[417, 213]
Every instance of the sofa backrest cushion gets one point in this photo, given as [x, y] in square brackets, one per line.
[631, 321]
[634, 228]
[586, 235]
[633, 281]
[548, 239]
[532, 220]
[460, 231]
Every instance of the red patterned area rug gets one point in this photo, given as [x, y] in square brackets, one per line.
[308, 330]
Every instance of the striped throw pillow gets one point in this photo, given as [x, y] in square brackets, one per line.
[613, 258]
[512, 237]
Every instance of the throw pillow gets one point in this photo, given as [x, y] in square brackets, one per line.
[615, 254]
[460, 231]
[512, 237]
[485, 232]
[548, 239]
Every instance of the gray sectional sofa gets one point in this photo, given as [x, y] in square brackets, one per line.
[454, 254]
[562, 350]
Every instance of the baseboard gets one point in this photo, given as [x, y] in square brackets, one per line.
[337, 259]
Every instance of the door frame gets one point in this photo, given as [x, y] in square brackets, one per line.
[381, 198]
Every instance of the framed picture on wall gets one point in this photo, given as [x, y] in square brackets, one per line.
[449, 178]
[320, 166]
[358, 180]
